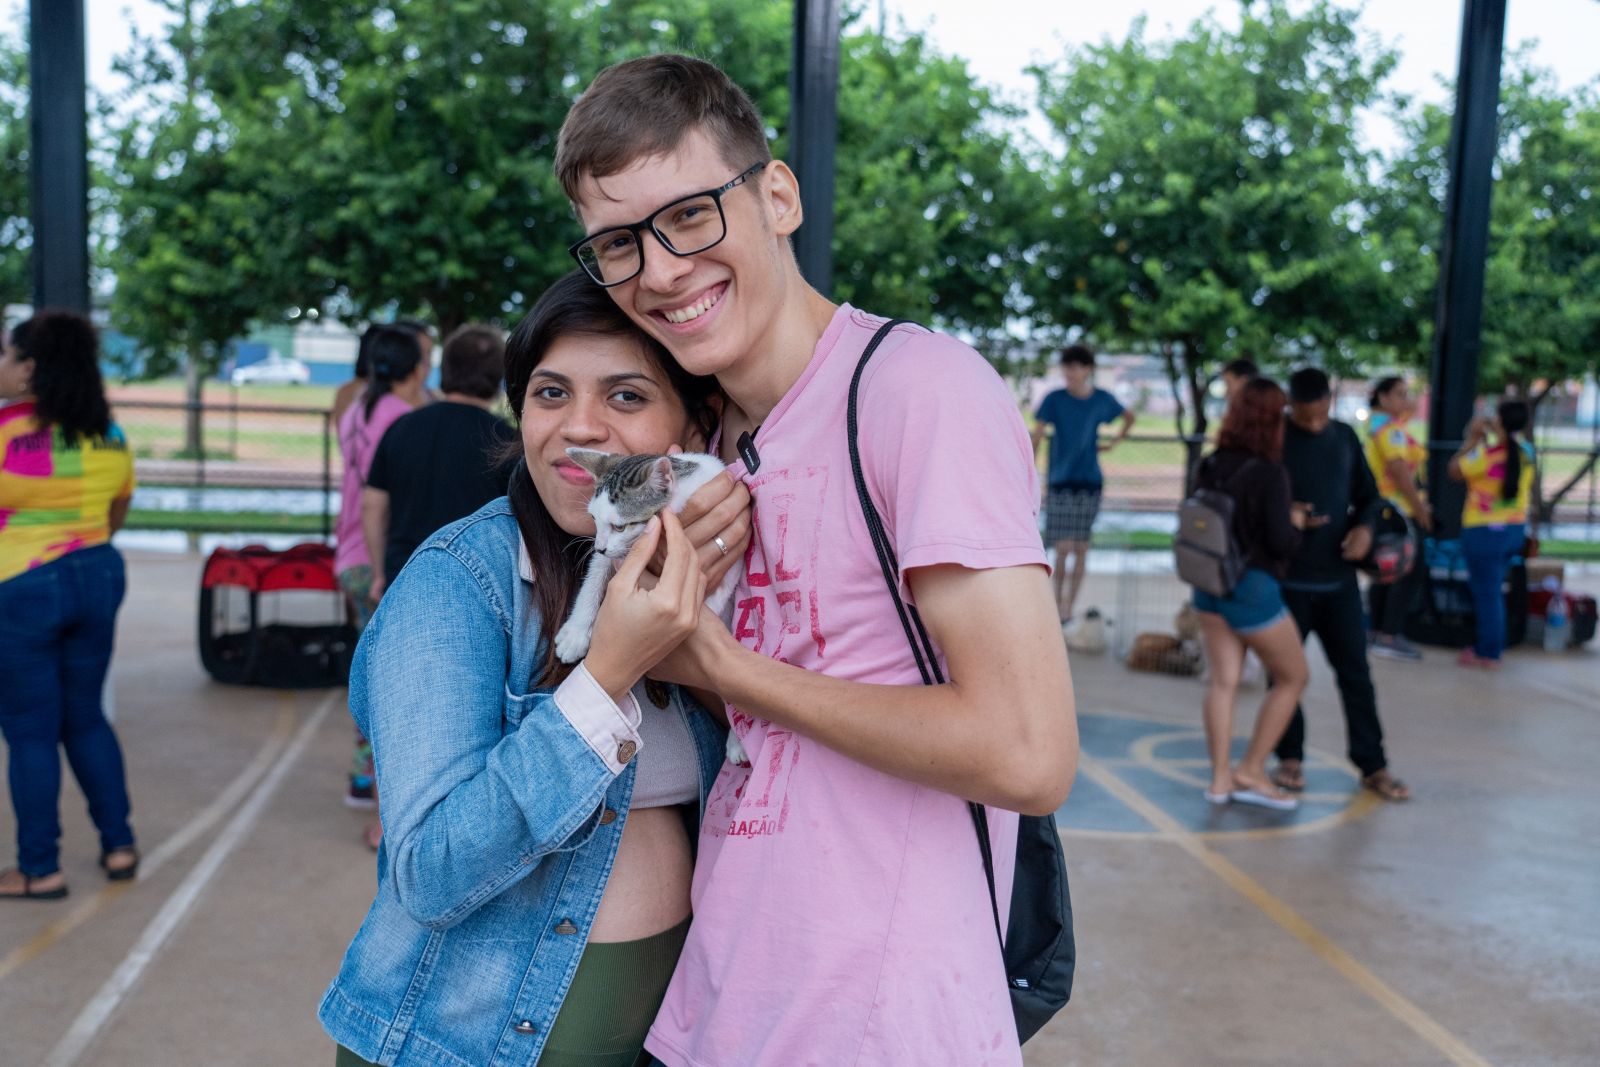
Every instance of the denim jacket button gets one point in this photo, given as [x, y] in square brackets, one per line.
[565, 926]
[607, 817]
[626, 750]
[525, 1027]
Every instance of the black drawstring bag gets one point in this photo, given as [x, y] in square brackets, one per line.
[1037, 948]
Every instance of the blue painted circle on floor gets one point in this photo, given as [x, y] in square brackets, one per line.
[1167, 765]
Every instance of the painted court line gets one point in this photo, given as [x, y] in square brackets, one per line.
[226, 801]
[100, 1008]
[1402, 1009]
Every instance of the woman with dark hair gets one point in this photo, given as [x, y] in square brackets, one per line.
[66, 479]
[1496, 461]
[397, 371]
[1248, 467]
[1398, 461]
[533, 882]
[360, 378]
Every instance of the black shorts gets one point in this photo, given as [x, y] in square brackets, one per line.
[1069, 514]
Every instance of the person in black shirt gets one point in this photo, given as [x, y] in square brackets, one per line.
[441, 462]
[1328, 472]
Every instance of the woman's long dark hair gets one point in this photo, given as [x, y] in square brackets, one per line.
[392, 354]
[1513, 419]
[66, 385]
[1382, 388]
[574, 305]
[1254, 420]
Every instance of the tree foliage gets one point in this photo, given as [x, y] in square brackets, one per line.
[16, 230]
[1541, 313]
[374, 158]
[1210, 198]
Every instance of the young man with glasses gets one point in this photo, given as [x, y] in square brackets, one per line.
[841, 909]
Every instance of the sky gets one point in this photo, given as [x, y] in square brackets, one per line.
[1000, 38]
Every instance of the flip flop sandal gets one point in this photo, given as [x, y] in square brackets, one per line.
[29, 893]
[1217, 799]
[120, 874]
[1291, 778]
[1264, 800]
[1387, 786]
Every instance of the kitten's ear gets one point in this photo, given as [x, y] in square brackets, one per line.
[661, 476]
[596, 463]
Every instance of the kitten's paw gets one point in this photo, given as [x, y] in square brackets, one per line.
[572, 643]
[735, 751]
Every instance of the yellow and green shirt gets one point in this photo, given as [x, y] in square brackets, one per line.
[1388, 440]
[55, 493]
[1484, 469]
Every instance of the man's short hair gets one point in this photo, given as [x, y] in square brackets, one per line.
[474, 362]
[1077, 355]
[1242, 368]
[647, 107]
[1307, 386]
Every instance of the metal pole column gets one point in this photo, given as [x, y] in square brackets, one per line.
[814, 133]
[59, 121]
[1464, 250]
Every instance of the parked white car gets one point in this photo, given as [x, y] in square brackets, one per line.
[273, 370]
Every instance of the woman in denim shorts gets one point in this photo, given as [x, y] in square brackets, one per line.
[1266, 524]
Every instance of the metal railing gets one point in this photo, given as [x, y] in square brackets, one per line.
[254, 466]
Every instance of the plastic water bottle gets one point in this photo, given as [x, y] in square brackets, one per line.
[1557, 626]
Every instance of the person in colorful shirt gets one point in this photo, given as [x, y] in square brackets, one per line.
[1398, 460]
[66, 479]
[841, 912]
[398, 367]
[1497, 464]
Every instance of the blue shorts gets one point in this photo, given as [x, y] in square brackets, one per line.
[1255, 604]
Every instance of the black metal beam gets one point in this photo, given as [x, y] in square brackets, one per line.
[1465, 249]
[59, 120]
[814, 133]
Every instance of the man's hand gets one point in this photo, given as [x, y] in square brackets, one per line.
[1424, 518]
[693, 663]
[1357, 543]
[720, 508]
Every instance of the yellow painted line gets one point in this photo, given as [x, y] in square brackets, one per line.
[228, 800]
[1454, 1049]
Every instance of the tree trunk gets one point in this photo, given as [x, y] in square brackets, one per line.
[1194, 443]
[193, 383]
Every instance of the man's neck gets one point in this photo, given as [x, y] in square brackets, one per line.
[470, 401]
[1083, 392]
[757, 383]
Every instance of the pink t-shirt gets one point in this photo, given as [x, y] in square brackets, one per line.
[840, 915]
[358, 443]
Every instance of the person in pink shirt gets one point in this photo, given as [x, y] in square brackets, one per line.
[841, 913]
[398, 367]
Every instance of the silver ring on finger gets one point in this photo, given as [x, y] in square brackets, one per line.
[722, 546]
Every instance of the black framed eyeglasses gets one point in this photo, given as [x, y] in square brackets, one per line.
[684, 227]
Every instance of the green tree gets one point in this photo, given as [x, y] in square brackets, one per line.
[16, 229]
[1210, 198]
[208, 231]
[400, 155]
[1541, 312]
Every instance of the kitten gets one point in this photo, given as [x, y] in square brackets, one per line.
[628, 490]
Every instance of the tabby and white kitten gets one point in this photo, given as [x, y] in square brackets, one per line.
[628, 490]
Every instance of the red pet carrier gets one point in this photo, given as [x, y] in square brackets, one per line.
[274, 619]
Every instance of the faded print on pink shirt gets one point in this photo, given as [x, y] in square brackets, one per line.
[841, 915]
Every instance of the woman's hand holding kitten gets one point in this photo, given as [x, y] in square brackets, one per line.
[636, 626]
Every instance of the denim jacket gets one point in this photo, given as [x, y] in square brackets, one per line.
[502, 809]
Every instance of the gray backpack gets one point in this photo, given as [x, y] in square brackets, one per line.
[1206, 551]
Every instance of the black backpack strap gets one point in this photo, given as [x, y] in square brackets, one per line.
[910, 620]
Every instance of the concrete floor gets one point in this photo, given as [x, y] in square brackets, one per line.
[1462, 928]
